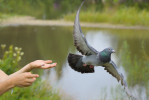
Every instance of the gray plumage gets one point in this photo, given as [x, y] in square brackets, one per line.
[91, 57]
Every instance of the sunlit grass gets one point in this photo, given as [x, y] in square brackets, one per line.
[6, 16]
[127, 16]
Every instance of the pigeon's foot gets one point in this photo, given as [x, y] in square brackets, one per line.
[91, 66]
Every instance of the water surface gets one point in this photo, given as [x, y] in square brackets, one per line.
[44, 42]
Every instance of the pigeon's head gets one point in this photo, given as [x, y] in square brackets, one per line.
[109, 50]
[105, 55]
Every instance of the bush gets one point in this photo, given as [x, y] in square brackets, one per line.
[10, 58]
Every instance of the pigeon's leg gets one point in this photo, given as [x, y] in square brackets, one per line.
[91, 66]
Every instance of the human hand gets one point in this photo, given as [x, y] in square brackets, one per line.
[24, 79]
[43, 64]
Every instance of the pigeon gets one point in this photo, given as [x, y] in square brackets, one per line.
[90, 57]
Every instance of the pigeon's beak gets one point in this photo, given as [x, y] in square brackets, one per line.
[113, 51]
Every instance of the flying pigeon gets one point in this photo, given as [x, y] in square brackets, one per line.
[91, 57]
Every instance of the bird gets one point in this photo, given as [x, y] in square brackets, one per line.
[90, 57]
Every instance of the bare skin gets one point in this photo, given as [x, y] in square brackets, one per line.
[23, 77]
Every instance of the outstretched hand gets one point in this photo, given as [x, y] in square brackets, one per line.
[43, 64]
[23, 77]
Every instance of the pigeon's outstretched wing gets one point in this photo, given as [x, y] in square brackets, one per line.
[113, 70]
[79, 39]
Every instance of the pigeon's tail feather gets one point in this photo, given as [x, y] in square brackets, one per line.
[75, 62]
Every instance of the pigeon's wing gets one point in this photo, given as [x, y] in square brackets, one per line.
[79, 39]
[113, 70]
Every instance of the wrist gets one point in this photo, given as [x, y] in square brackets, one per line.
[12, 82]
[28, 67]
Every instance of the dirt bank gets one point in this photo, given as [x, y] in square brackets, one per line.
[27, 20]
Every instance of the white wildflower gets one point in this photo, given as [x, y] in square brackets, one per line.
[7, 52]
[16, 48]
[3, 46]
[22, 53]
[14, 54]
[19, 58]
[18, 52]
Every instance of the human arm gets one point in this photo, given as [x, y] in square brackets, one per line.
[2, 75]
[42, 64]
[23, 77]
[17, 80]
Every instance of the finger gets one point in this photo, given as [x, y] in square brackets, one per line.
[27, 84]
[31, 80]
[48, 61]
[46, 66]
[32, 75]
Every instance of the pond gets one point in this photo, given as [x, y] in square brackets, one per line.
[46, 42]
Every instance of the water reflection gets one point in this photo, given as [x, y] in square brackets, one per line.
[43, 42]
[94, 86]
[89, 86]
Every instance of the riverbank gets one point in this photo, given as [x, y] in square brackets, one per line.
[27, 20]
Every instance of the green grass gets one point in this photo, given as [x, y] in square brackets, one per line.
[126, 16]
[122, 15]
[6, 16]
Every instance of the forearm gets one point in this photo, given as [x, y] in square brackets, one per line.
[3, 75]
[6, 85]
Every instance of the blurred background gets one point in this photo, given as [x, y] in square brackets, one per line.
[22, 44]
[130, 12]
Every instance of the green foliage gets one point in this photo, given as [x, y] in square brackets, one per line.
[127, 16]
[40, 90]
[5, 16]
[38, 8]
[10, 58]
[46, 9]
[129, 12]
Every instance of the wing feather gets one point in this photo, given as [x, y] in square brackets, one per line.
[79, 39]
[113, 70]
